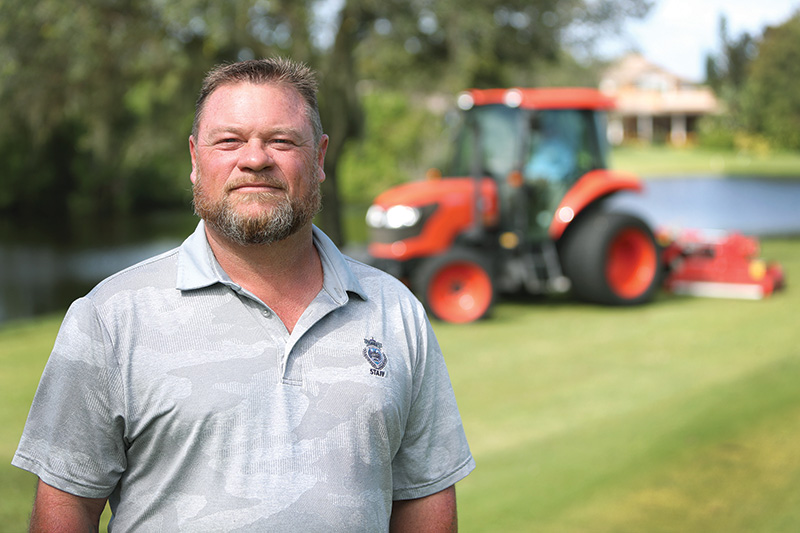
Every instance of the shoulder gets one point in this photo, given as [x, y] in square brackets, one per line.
[364, 271]
[391, 302]
[158, 272]
[141, 299]
[377, 282]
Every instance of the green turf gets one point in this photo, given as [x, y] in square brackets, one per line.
[23, 351]
[661, 161]
[678, 416]
[683, 415]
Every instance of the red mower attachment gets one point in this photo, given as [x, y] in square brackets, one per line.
[720, 265]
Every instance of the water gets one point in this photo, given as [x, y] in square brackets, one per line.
[45, 267]
[758, 207]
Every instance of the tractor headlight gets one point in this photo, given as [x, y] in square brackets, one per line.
[401, 216]
[376, 216]
[396, 217]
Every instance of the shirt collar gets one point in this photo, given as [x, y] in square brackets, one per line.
[338, 277]
[198, 268]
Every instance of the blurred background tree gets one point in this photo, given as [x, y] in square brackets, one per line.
[97, 95]
[726, 74]
[771, 100]
[756, 77]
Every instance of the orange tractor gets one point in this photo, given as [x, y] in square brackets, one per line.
[524, 210]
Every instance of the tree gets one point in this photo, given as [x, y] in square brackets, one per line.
[726, 74]
[727, 70]
[756, 78]
[92, 88]
[771, 104]
[453, 44]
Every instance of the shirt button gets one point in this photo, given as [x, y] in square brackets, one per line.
[266, 313]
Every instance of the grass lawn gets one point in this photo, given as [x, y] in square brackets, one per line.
[660, 161]
[683, 415]
[23, 352]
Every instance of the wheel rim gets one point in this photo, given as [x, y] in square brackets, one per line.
[460, 292]
[631, 264]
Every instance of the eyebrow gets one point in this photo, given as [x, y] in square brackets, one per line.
[223, 129]
[271, 132]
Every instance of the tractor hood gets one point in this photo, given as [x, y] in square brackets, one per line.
[444, 191]
[425, 217]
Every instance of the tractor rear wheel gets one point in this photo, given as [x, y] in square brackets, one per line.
[611, 259]
[456, 287]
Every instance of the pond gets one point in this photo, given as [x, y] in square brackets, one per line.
[762, 207]
[44, 267]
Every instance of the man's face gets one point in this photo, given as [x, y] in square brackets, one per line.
[256, 169]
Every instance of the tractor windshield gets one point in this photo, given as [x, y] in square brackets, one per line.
[495, 130]
[562, 145]
[553, 145]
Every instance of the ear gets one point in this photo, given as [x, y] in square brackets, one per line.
[321, 150]
[193, 154]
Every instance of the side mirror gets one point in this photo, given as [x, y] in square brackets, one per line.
[515, 179]
[433, 174]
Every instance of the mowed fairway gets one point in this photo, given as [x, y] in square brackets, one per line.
[680, 416]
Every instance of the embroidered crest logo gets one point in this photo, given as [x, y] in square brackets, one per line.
[373, 353]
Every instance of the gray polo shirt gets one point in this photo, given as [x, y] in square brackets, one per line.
[183, 399]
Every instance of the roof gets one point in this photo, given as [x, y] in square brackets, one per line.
[632, 69]
[642, 88]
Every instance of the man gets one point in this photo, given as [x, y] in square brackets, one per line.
[253, 379]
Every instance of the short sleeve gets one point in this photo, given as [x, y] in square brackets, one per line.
[74, 436]
[434, 453]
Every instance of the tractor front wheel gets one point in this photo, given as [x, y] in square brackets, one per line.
[456, 287]
[612, 259]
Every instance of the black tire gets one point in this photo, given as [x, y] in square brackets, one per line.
[455, 287]
[611, 259]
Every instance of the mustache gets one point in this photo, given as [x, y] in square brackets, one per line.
[266, 181]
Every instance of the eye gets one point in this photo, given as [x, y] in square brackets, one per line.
[282, 142]
[227, 142]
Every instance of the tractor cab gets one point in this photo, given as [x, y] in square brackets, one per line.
[534, 143]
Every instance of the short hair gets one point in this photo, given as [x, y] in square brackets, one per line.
[278, 71]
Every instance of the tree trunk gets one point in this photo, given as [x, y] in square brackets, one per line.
[342, 116]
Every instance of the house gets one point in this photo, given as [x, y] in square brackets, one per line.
[653, 105]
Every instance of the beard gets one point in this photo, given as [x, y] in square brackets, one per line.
[273, 223]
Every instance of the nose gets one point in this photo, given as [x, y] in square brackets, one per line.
[254, 156]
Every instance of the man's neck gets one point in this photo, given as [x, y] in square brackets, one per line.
[286, 275]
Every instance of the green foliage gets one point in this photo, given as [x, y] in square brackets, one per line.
[102, 94]
[716, 132]
[728, 68]
[452, 44]
[756, 79]
[400, 142]
[726, 75]
[771, 101]
[69, 66]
